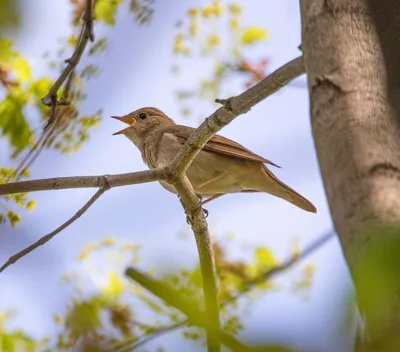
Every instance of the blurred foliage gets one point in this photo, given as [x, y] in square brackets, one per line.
[215, 33]
[9, 14]
[102, 313]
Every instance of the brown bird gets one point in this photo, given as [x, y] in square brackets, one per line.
[222, 166]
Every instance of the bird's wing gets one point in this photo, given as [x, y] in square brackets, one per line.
[218, 144]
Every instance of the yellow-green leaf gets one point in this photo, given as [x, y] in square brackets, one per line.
[115, 286]
[6, 52]
[253, 34]
[14, 125]
[106, 10]
[22, 69]
[265, 257]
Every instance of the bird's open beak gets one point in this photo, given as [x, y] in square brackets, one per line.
[128, 120]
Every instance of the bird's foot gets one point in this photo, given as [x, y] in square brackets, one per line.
[189, 217]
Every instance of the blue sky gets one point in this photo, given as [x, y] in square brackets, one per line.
[136, 73]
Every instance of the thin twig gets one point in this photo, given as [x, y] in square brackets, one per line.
[48, 237]
[129, 346]
[84, 37]
[287, 264]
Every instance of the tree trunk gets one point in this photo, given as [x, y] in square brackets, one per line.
[355, 131]
[386, 17]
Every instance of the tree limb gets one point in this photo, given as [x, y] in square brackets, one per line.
[84, 37]
[232, 108]
[57, 183]
[48, 237]
[195, 214]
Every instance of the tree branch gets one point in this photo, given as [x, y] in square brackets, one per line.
[232, 108]
[84, 37]
[57, 183]
[199, 226]
[48, 237]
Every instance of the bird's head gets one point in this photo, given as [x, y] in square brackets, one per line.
[142, 123]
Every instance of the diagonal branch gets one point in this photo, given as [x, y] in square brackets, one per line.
[288, 263]
[84, 37]
[232, 108]
[49, 236]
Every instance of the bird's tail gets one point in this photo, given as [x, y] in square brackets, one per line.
[282, 190]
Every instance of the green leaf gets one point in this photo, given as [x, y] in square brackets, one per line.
[106, 9]
[41, 87]
[265, 257]
[254, 34]
[14, 125]
[6, 52]
[9, 16]
[22, 68]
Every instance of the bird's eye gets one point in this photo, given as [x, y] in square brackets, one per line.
[143, 115]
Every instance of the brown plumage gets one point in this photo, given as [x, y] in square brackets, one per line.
[223, 166]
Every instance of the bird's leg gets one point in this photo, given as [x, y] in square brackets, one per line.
[198, 187]
[209, 199]
[205, 211]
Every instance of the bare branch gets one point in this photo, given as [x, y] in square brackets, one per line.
[84, 37]
[48, 237]
[57, 183]
[135, 344]
[288, 263]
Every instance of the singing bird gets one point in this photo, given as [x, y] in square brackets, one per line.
[222, 166]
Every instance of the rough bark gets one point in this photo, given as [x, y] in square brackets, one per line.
[355, 134]
[386, 17]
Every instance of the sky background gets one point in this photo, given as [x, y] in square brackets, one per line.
[136, 72]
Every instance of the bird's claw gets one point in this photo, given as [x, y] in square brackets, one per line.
[189, 218]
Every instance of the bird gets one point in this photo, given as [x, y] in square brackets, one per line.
[223, 166]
